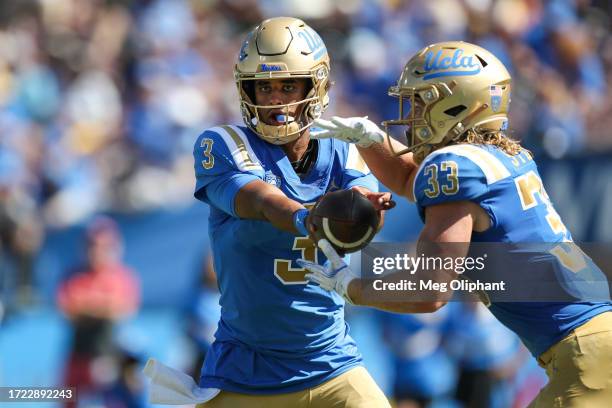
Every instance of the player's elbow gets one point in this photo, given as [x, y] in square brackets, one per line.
[405, 180]
[401, 186]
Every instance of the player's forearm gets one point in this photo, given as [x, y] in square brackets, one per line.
[261, 201]
[364, 295]
[432, 245]
[393, 171]
[280, 211]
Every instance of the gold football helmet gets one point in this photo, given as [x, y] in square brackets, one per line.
[446, 89]
[281, 48]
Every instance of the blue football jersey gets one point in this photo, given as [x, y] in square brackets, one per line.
[277, 332]
[510, 190]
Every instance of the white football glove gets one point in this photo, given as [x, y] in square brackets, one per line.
[361, 131]
[334, 275]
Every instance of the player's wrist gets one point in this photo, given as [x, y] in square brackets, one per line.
[299, 221]
[359, 135]
[371, 133]
[344, 279]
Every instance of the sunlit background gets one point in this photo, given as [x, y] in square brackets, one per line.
[100, 103]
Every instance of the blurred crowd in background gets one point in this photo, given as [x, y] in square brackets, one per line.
[101, 100]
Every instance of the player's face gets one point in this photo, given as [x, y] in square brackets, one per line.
[279, 92]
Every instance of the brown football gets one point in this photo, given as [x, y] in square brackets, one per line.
[346, 218]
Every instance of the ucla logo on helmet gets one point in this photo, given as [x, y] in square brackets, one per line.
[456, 65]
[314, 42]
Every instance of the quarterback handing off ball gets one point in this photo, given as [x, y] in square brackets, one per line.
[346, 218]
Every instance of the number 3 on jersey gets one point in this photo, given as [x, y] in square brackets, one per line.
[209, 159]
[296, 276]
[283, 270]
[529, 185]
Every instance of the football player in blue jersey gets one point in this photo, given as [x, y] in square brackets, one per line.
[281, 341]
[472, 183]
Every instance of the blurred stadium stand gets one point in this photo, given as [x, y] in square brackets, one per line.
[101, 100]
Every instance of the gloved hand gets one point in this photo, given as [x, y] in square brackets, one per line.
[334, 275]
[361, 131]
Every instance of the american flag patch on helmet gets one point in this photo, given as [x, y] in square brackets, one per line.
[495, 90]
